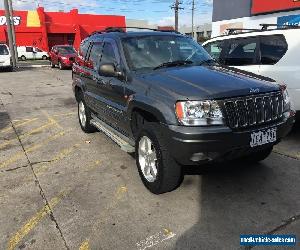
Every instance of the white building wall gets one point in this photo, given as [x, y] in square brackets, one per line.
[249, 22]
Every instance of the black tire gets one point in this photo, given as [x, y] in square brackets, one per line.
[44, 57]
[169, 172]
[86, 127]
[60, 65]
[23, 58]
[258, 156]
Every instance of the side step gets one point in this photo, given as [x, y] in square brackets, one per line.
[124, 142]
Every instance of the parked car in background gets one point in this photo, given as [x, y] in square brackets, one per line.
[62, 56]
[272, 53]
[31, 53]
[160, 95]
[5, 57]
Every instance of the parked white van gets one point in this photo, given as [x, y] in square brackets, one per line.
[5, 57]
[28, 52]
[273, 53]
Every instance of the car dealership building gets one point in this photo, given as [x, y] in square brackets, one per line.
[43, 30]
[252, 13]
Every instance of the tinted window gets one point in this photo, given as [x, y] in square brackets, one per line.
[38, 50]
[215, 49]
[241, 52]
[29, 49]
[3, 50]
[95, 55]
[272, 48]
[108, 54]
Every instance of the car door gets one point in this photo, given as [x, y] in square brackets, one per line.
[242, 53]
[111, 89]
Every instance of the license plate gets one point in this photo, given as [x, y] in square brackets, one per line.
[263, 137]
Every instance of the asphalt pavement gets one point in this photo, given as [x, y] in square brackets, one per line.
[63, 189]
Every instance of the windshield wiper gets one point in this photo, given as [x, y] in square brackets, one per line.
[173, 64]
[207, 62]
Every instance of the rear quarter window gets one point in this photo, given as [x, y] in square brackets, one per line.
[272, 49]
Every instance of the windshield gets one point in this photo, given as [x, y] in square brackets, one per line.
[66, 50]
[149, 52]
[3, 50]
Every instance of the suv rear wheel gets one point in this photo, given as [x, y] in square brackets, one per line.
[84, 116]
[23, 58]
[159, 172]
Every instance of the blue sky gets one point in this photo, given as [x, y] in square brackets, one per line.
[154, 11]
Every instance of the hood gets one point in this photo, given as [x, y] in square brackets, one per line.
[198, 82]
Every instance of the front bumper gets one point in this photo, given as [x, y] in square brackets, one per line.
[197, 145]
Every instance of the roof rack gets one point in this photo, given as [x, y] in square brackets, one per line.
[123, 30]
[232, 31]
[265, 26]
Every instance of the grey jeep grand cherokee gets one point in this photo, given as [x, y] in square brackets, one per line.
[160, 95]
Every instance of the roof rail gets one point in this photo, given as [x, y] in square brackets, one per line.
[265, 26]
[123, 30]
[232, 31]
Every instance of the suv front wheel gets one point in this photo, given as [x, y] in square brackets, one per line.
[84, 116]
[159, 172]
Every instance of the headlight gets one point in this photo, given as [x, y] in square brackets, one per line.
[199, 113]
[286, 98]
[64, 58]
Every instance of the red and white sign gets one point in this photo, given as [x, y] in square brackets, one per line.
[270, 6]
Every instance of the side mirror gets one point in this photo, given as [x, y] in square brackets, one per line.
[109, 70]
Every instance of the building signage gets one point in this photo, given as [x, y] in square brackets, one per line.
[288, 20]
[270, 6]
[17, 20]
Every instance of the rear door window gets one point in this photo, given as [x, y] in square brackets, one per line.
[272, 49]
[240, 52]
[3, 50]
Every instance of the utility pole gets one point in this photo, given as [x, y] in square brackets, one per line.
[10, 34]
[11, 12]
[176, 8]
[193, 12]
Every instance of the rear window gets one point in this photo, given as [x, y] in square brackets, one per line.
[3, 50]
[272, 49]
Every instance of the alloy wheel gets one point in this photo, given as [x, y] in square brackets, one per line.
[147, 159]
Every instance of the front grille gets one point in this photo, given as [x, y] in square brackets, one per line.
[256, 110]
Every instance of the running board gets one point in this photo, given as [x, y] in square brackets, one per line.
[124, 142]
